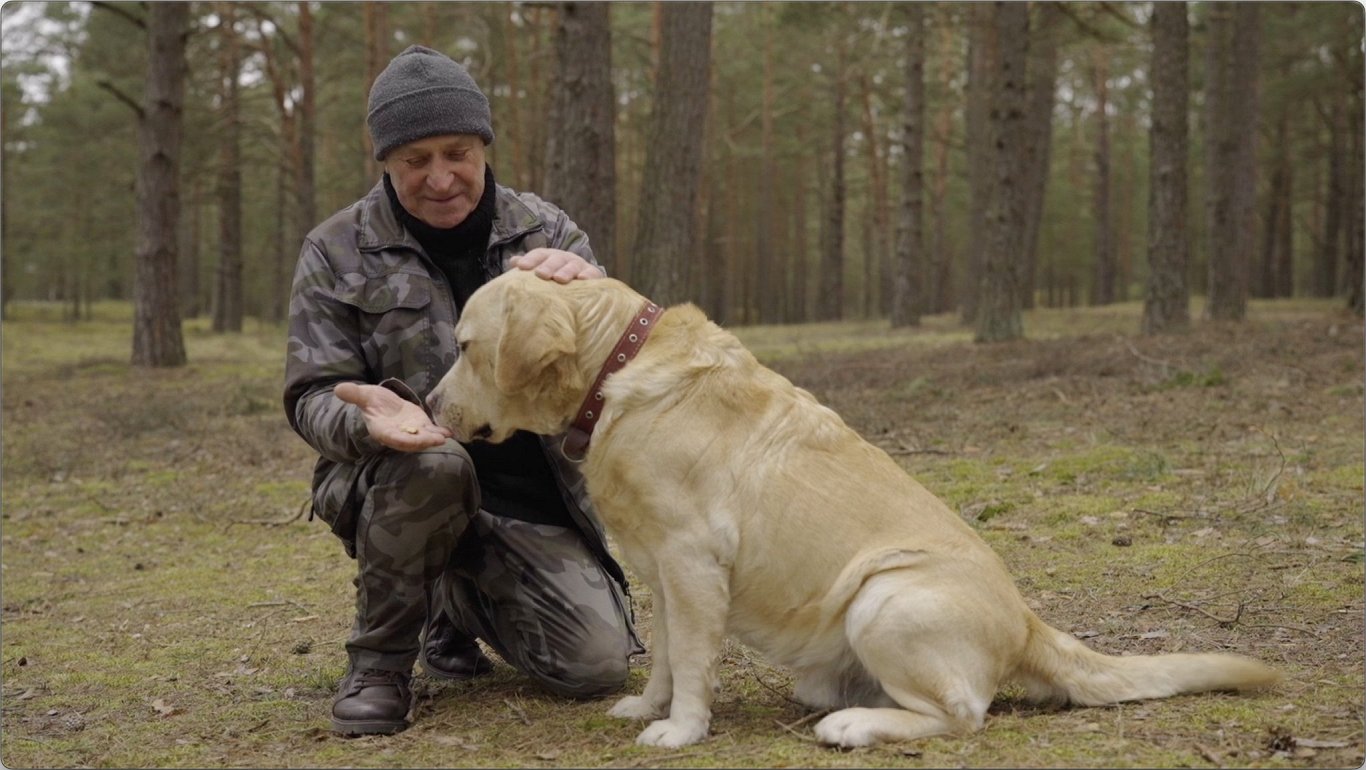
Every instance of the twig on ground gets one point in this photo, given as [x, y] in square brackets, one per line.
[269, 522]
[904, 449]
[791, 727]
[518, 711]
[1164, 515]
[277, 603]
[769, 687]
[1146, 359]
[799, 736]
[1301, 629]
[1197, 608]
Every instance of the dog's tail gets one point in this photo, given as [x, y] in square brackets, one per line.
[1056, 667]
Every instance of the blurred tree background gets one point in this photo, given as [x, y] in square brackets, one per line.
[1016, 173]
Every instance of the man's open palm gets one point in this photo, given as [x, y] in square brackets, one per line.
[392, 421]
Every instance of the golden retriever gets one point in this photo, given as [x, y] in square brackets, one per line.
[751, 510]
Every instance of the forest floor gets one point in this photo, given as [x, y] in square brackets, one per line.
[166, 602]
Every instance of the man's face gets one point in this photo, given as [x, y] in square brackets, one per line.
[439, 179]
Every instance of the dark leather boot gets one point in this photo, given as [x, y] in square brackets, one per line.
[371, 702]
[449, 653]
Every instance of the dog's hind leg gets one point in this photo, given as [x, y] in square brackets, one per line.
[926, 655]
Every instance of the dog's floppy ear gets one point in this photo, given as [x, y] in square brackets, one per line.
[538, 336]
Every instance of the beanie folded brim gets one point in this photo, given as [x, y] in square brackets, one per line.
[435, 111]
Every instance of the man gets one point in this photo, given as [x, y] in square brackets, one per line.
[451, 542]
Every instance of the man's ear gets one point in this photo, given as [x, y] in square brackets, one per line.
[538, 338]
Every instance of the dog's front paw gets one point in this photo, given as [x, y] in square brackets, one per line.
[672, 733]
[637, 707]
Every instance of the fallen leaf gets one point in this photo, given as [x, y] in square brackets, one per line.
[163, 708]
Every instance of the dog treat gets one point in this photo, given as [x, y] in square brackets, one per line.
[412, 429]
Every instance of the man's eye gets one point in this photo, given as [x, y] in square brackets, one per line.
[416, 162]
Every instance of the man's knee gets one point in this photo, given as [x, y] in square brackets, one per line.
[597, 666]
[441, 476]
[444, 464]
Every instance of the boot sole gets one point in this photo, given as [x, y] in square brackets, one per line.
[367, 726]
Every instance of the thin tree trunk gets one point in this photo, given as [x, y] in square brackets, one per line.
[375, 20]
[1166, 304]
[1274, 220]
[982, 56]
[998, 312]
[581, 173]
[191, 301]
[1356, 225]
[877, 219]
[1232, 131]
[1043, 75]
[157, 336]
[766, 254]
[939, 294]
[830, 303]
[227, 309]
[307, 210]
[666, 235]
[1103, 283]
[908, 289]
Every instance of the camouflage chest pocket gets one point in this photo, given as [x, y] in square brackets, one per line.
[394, 321]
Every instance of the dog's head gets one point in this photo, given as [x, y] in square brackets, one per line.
[518, 366]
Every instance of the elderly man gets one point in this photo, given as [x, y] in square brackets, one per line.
[451, 542]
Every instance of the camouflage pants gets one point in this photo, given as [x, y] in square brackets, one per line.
[534, 592]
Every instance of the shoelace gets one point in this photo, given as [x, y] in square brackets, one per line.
[372, 677]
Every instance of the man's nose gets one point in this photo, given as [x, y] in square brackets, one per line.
[441, 176]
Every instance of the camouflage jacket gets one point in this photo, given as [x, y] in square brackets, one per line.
[368, 305]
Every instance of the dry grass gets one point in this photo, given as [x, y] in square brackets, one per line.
[165, 604]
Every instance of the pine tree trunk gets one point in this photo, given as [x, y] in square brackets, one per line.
[1166, 305]
[1043, 74]
[666, 235]
[830, 301]
[1356, 225]
[581, 173]
[307, 211]
[939, 293]
[157, 336]
[766, 225]
[982, 56]
[1231, 146]
[908, 287]
[227, 309]
[1103, 283]
[375, 20]
[998, 311]
[1273, 220]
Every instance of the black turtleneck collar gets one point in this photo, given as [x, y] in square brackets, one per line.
[470, 235]
[457, 251]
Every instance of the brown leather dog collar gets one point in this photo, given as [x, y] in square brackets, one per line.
[575, 443]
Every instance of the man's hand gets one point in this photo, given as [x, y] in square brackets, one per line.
[557, 265]
[392, 421]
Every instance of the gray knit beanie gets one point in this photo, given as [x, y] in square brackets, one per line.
[425, 93]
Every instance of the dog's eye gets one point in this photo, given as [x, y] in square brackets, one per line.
[464, 346]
